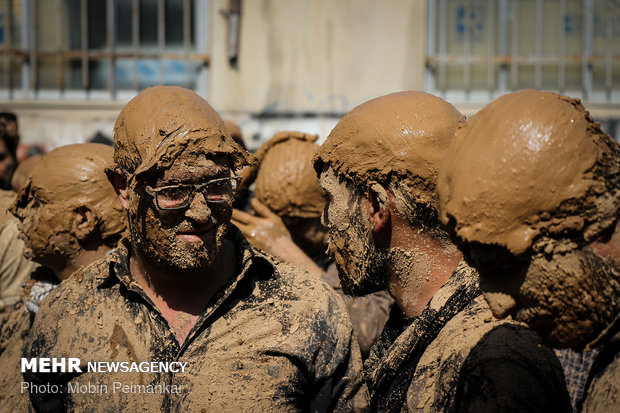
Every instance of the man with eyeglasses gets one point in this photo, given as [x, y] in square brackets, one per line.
[230, 328]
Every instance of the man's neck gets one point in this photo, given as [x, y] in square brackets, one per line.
[419, 265]
[182, 296]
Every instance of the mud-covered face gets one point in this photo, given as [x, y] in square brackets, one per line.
[361, 266]
[182, 239]
[45, 226]
[564, 295]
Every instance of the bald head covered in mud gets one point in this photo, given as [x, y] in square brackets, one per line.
[288, 186]
[380, 162]
[67, 207]
[531, 188]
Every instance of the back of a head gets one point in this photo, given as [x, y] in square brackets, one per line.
[529, 163]
[161, 122]
[74, 176]
[401, 136]
[235, 132]
[23, 171]
[286, 181]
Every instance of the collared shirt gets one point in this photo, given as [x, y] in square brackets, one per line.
[273, 338]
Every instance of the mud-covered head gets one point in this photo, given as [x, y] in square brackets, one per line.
[530, 184]
[247, 173]
[161, 122]
[235, 132]
[394, 144]
[23, 171]
[175, 172]
[67, 202]
[401, 136]
[287, 184]
[286, 181]
[530, 163]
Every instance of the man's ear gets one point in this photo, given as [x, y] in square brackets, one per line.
[119, 182]
[380, 210]
[84, 222]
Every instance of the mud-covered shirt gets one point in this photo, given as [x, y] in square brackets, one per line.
[456, 357]
[603, 385]
[273, 338]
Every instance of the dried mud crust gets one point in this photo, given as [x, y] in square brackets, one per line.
[603, 393]
[15, 325]
[65, 180]
[161, 122]
[397, 136]
[286, 181]
[527, 142]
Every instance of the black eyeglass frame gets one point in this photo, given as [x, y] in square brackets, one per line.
[154, 192]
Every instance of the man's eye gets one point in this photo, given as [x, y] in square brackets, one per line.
[173, 193]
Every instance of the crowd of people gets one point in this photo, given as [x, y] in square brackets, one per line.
[416, 260]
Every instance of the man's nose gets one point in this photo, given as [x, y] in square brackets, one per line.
[198, 210]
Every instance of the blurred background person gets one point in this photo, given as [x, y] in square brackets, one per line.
[23, 171]
[8, 156]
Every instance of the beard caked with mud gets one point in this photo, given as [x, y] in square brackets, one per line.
[360, 263]
[160, 234]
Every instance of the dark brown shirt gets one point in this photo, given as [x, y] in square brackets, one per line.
[274, 338]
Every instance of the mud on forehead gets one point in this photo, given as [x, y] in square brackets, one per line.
[194, 166]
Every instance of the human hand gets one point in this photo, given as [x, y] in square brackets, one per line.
[262, 229]
[267, 231]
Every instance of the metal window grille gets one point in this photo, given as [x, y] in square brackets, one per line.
[480, 49]
[100, 49]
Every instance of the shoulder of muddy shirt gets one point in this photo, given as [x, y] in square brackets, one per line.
[272, 338]
[15, 325]
[503, 369]
[456, 356]
[14, 267]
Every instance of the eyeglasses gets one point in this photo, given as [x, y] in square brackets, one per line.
[180, 196]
